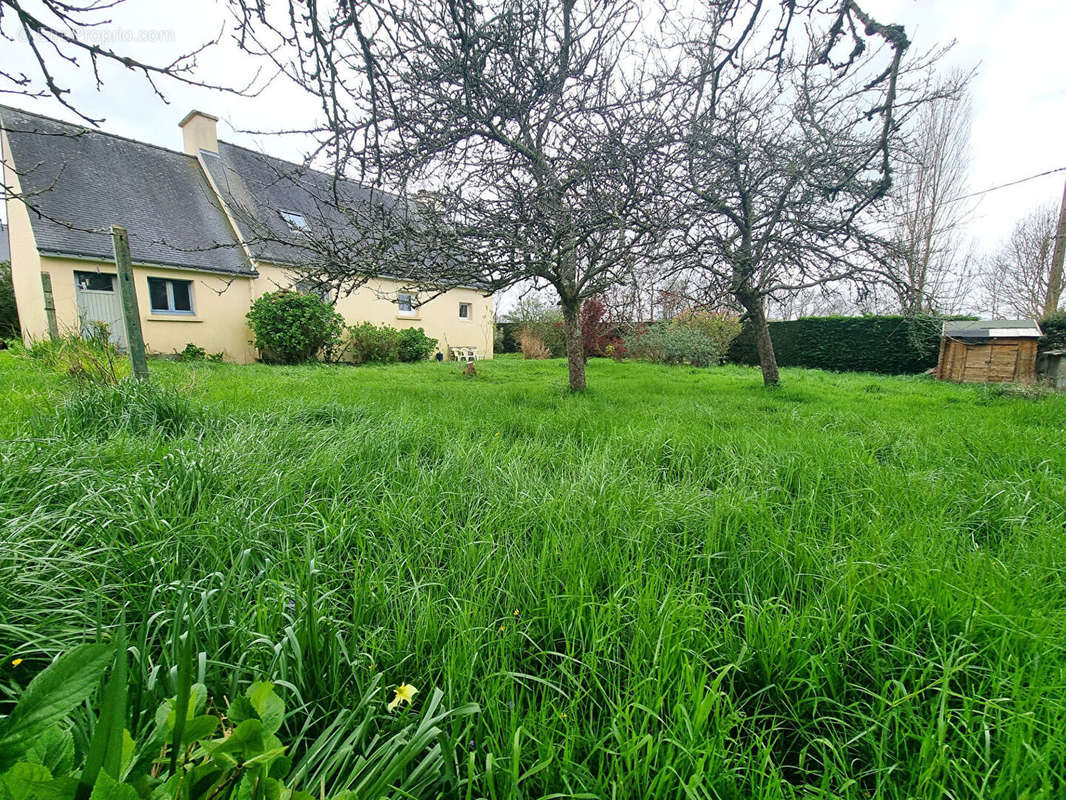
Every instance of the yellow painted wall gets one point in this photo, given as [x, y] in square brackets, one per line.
[439, 317]
[25, 263]
[219, 302]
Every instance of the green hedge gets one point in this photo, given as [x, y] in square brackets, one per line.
[889, 344]
[1054, 328]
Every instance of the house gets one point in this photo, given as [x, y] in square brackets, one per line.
[196, 219]
[989, 351]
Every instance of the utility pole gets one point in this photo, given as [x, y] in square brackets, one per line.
[130, 311]
[1054, 279]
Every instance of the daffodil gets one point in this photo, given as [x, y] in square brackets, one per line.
[16, 661]
[405, 693]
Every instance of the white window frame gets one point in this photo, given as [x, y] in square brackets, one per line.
[169, 284]
[469, 311]
[410, 310]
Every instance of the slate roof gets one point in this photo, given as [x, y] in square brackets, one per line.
[992, 329]
[257, 187]
[82, 181]
[5, 248]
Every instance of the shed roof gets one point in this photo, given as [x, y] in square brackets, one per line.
[993, 329]
[81, 181]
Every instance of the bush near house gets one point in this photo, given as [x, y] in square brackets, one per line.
[890, 344]
[381, 344]
[291, 327]
[9, 317]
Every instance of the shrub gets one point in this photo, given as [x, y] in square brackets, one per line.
[1054, 328]
[192, 353]
[414, 345]
[720, 326]
[595, 330]
[673, 344]
[291, 327]
[373, 344]
[543, 320]
[531, 345]
[9, 317]
[888, 344]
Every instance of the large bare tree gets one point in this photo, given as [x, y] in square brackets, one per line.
[927, 266]
[1019, 278]
[788, 117]
[527, 122]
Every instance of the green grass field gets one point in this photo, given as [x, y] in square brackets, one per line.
[678, 585]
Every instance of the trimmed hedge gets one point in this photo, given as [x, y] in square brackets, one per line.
[889, 344]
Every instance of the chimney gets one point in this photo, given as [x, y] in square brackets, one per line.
[199, 131]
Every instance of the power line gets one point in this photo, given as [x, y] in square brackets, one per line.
[1006, 185]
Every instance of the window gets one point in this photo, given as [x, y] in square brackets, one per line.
[405, 303]
[94, 281]
[296, 222]
[170, 296]
[464, 311]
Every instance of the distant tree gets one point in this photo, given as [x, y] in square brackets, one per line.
[926, 265]
[789, 116]
[1018, 278]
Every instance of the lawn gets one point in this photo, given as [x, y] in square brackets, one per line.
[678, 585]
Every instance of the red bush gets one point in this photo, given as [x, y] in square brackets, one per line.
[596, 332]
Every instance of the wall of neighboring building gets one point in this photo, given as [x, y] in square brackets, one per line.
[217, 323]
[25, 262]
[439, 317]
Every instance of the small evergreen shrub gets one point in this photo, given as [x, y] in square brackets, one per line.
[665, 343]
[291, 327]
[720, 326]
[1054, 328]
[373, 344]
[9, 317]
[414, 345]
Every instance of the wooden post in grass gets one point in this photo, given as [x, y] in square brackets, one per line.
[49, 305]
[130, 312]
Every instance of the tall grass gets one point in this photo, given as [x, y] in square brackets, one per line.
[678, 585]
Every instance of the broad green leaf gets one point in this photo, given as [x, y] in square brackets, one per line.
[199, 728]
[107, 788]
[51, 696]
[269, 707]
[22, 781]
[54, 748]
[240, 710]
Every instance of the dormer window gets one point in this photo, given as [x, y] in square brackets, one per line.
[296, 222]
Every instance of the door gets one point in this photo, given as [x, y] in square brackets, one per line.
[98, 302]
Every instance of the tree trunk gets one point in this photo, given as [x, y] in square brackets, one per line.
[575, 345]
[757, 317]
[1058, 255]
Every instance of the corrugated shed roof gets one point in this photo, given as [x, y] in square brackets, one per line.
[992, 329]
[82, 181]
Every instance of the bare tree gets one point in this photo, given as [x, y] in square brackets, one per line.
[788, 117]
[1018, 278]
[927, 266]
[528, 122]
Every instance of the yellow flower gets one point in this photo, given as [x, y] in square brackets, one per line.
[516, 613]
[503, 628]
[16, 661]
[405, 693]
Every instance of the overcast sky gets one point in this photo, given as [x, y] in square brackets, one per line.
[1019, 93]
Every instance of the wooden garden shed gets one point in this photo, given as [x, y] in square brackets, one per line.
[989, 351]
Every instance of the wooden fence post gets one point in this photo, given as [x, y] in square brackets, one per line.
[49, 305]
[130, 311]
